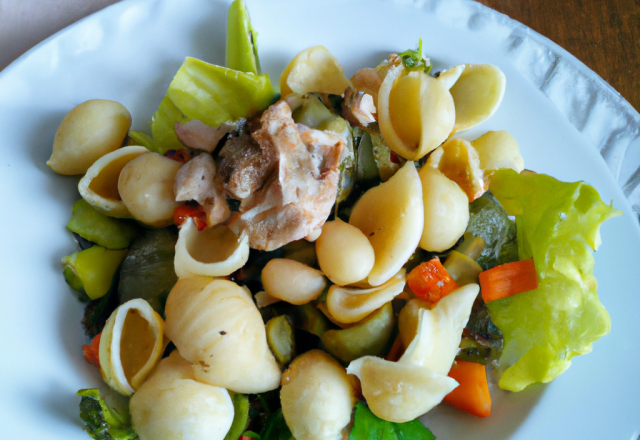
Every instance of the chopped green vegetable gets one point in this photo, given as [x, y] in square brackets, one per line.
[367, 167]
[489, 220]
[382, 155]
[544, 328]
[240, 416]
[370, 337]
[307, 317]
[481, 340]
[367, 426]
[281, 339]
[163, 127]
[102, 422]
[276, 428]
[92, 270]
[242, 40]
[105, 231]
[147, 271]
[413, 59]
[141, 139]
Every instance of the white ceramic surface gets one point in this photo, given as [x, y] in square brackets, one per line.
[129, 53]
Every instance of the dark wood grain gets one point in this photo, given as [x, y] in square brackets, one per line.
[603, 34]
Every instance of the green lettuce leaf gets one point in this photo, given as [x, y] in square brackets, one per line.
[102, 422]
[242, 40]
[105, 231]
[367, 426]
[543, 329]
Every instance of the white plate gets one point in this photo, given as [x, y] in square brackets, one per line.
[129, 53]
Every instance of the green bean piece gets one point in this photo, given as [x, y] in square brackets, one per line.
[281, 339]
[240, 416]
[242, 40]
[369, 337]
[92, 269]
[105, 231]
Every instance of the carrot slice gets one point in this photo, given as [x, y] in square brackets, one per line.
[92, 352]
[396, 350]
[508, 279]
[431, 281]
[472, 396]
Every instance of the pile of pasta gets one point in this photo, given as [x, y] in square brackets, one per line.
[215, 323]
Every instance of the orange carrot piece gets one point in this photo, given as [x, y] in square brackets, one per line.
[431, 281]
[472, 396]
[92, 352]
[396, 350]
[508, 279]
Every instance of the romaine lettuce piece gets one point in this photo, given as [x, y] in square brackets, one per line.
[105, 231]
[543, 329]
[92, 270]
[102, 422]
[242, 40]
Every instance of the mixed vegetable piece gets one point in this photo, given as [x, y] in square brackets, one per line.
[331, 262]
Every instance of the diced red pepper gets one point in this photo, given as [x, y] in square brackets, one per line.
[182, 155]
[92, 352]
[431, 281]
[182, 213]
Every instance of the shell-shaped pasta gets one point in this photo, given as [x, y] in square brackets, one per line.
[292, 281]
[449, 77]
[213, 252]
[391, 216]
[399, 392]
[498, 149]
[99, 186]
[446, 210]
[88, 132]
[477, 94]
[416, 112]
[459, 161]
[439, 331]
[216, 326]
[314, 70]
[172, 405]
[317, 397]
[344, 253]
[409, 318]
[348, 305]
[146, 188]
[132, 343]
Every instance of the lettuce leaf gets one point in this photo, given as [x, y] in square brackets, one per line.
[367, 426]
[103, 422]
[242, 40]
[543, 329]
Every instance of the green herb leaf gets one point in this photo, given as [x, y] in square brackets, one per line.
[413, 59]
[367, 426]
[276, 428]
[102, 422]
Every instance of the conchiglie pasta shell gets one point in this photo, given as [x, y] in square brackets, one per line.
[292, 281]
[146, 188]
[348, 305]
[416, 112]
[391, 216]
[317, 397]
[399, 392]
[99, 186]
[214, 252]
[132, 343]
[172, 405]
[216, 326]
[449, 77]
[477, 94]
[498, 149]
[314, 70]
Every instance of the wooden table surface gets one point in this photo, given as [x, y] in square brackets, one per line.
[603, 34]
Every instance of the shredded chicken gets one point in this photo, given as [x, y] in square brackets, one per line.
[299, 184]
[245, 166]
[196, 134]
[197, 180]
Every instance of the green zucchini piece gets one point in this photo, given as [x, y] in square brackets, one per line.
[101, 229]
[92, 270]
[147, 271]
[462, 269]
[242, 40]
[240, 416]
[281, 339]
[307, 317]
[370, 337]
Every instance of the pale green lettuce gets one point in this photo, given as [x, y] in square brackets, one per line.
[557, 224]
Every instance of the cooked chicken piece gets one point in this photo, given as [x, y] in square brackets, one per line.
[296, 198]
[358, 107]
[245, 166]
[197, 180]
[196, 134]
